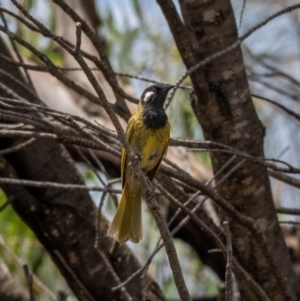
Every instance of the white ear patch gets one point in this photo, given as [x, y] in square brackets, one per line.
[148, 95]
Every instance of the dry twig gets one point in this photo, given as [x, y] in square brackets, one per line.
[228, 275]
[29, 280]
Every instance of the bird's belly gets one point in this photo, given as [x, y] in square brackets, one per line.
[151, 147]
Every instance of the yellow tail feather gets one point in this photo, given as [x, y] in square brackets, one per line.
[127, 222]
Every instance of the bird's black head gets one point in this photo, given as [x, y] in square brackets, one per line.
[155, 95]
[152, 101]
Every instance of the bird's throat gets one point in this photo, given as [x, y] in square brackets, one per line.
[154, 118]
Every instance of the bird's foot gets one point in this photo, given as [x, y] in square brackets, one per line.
[150, 191]
[135, 161]
[149, 182]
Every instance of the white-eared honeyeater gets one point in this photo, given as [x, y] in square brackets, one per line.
[148, 133]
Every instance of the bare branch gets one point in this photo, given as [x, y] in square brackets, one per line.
[275, 71]
[145, 79]
[292, 211]
[242, 13]
[111, 270]
[85, 293]
[20, 263]
[52, 69]
[44, 184]
[228, 276]
[65, 139]
[281, 12]
[29, 280]
[18, 53]
[78, 38]
[98, 221]
[16, 147]
[94, 38]
[285, 178]
[289, 222]
[259, 160]
[284, 108]
[236, 44]
[93, 138]
[7, 203]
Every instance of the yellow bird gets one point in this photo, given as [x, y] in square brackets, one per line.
[148, 133]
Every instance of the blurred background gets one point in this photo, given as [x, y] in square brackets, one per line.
[138, 42]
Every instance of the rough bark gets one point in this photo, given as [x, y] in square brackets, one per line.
[64, 221]
[224, 108]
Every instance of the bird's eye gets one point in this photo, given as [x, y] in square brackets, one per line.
[154, 89]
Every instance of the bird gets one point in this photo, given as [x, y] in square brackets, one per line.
[148, 133]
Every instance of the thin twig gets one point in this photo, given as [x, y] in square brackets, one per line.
[290, 222]
[18, 55]
[200, 204]
[149, 80]
[275, 71]
[284, 108]
[291, 211]
[52, 69]
[284, 178]
[16, 147]
[242, 13]
[105, 65]
[65, 139]
[259, 160]
[114, 274]
[98, 220]
[86, 294]
[256, 78]
[21, 84]
[78, 38]
[228, 274]
[46, 184]
[102, 169]
[100, 130]
[198, 192]
[20, 263]
[29, 280]
[92, 137]
[231, 47]
[90, 165]
[7, 203]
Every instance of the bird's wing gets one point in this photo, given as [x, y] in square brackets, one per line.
[129, 131]
[151, 173]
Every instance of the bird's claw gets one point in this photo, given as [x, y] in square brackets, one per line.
[150, 191]
[135, 160]
[149, 182]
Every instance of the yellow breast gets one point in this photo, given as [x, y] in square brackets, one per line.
[149, 144]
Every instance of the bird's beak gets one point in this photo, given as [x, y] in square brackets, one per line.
[168, 87]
